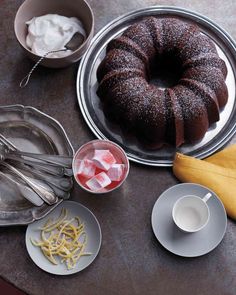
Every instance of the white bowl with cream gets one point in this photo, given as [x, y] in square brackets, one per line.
[34, 17]
[51, 32]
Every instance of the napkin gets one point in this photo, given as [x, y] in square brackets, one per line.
[217, 172]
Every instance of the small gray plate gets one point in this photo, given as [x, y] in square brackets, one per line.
[188, 244]
[92, 229]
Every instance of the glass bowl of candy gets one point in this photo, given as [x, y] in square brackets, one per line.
[100, 166]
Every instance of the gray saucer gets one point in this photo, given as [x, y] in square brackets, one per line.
[188, 244]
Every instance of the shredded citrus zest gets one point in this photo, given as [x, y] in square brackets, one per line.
[63, 239]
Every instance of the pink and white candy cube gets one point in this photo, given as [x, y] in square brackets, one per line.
[86, 168]
[115, 172]
[98, 181]
[103, 159]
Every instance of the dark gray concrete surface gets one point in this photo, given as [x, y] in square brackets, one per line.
[131, 261]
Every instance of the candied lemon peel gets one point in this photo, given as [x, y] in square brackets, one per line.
[63, 239]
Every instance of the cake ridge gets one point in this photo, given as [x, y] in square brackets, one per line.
[117, 58]
[207, 59]
[127, 44]
[155, 27]
[178, 119]
[110, 79]
[213, 78]
[194, 113]
[207, 95]
[139, 34]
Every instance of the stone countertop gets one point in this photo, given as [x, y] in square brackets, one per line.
[131, 261]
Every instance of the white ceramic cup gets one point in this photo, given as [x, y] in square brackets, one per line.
[191, 213]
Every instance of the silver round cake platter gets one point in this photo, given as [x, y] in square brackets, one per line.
[91, 107]
[29, 130]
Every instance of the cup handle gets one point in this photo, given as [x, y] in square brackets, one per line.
[206, 197]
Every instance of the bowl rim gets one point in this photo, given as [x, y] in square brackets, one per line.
[105, 141]
[83, 45]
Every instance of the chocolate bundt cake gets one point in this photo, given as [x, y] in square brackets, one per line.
[177, 114]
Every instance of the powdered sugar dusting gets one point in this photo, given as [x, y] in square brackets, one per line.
[155, 114]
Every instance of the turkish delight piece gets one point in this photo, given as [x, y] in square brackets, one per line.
[86, 168]
[103, 159]
[115, 173]
[98, 181]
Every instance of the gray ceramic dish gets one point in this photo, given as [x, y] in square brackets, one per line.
[92, 229]
[28, 129]
[188, 244]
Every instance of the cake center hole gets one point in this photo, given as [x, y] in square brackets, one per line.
[166, 71]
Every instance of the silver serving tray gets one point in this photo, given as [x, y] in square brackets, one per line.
[92, 110]
[30, 130]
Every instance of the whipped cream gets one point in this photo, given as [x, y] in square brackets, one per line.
[52, 32]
